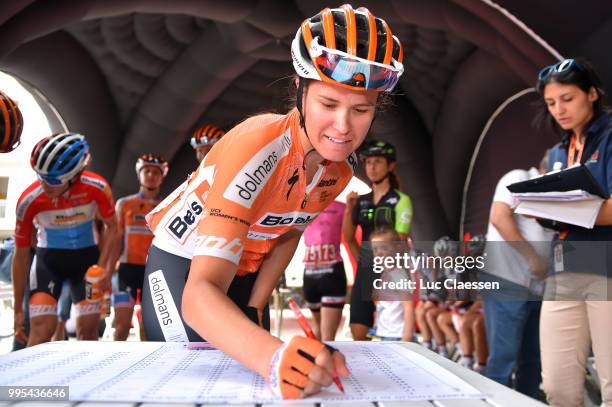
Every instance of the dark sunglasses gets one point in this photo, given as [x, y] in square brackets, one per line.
[567, 65]
[52, 181]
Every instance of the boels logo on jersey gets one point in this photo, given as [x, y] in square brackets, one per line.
[186, 219]
[286, 219]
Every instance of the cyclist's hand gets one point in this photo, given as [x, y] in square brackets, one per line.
[106, 282]
[351, 199]
[302, 367]
[19, 320]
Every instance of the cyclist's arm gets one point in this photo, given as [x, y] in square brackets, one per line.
[403, 216]
[115, 250]
[106, 212]
[348, 232]
[19, 270]
[107, 239]
[273, 267]
[25, 233]
[118, 239]
[213, 267]
[223, 324]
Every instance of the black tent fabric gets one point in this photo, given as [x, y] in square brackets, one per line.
[139, 75]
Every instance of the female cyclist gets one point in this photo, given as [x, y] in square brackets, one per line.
[225, 236]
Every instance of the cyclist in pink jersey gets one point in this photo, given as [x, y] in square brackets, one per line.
[324, 275]
[62, 207]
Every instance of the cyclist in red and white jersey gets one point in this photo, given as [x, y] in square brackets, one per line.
[224, 237]
[61, 206]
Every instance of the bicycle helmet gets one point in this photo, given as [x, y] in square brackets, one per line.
[57, 159]
[207, 135]
[348, 47]
[11, 124]
[378, 148]
[152, 160]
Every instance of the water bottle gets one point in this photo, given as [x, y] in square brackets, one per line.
[93, 280]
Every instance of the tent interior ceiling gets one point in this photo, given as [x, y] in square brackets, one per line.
[149, 72]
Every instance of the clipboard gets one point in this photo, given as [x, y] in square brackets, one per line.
[578, 177]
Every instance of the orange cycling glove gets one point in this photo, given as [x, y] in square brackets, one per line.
[291, 364]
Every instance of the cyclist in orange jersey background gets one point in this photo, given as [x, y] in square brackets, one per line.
[204, 138]
[134, 238]
[225, 236]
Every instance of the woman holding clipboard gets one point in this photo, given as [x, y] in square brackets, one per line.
[581, 313]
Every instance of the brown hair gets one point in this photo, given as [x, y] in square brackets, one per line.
[385, 230]
[383, 103]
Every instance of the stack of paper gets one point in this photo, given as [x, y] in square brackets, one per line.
[575, 195]
[575, 207]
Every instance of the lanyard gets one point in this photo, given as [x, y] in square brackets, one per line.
[574, 153]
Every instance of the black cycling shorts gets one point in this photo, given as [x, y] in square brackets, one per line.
[53, 266]
[362, 306]
[164, 282]
[325, 287]
[131, 277]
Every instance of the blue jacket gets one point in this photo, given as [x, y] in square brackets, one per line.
[597, 156]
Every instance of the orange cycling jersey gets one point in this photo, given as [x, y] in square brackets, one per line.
[137, 237]
[249, 190]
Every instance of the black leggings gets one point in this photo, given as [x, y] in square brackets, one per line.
[362, 306]
[164, 282]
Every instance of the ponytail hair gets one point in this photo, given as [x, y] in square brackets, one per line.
[393, 180]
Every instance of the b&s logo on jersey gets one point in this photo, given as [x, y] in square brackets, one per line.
[251, 179]
[287, 219]
[185, 220]
[217, 246]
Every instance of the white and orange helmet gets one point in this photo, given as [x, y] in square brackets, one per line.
[207, 135]
[348, 47]
[152, 160]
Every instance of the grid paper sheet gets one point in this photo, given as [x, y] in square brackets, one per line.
[169, 372]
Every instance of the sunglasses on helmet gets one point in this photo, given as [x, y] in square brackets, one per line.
[354, 71]
[52, 181]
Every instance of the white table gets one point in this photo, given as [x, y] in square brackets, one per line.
[496, 394]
